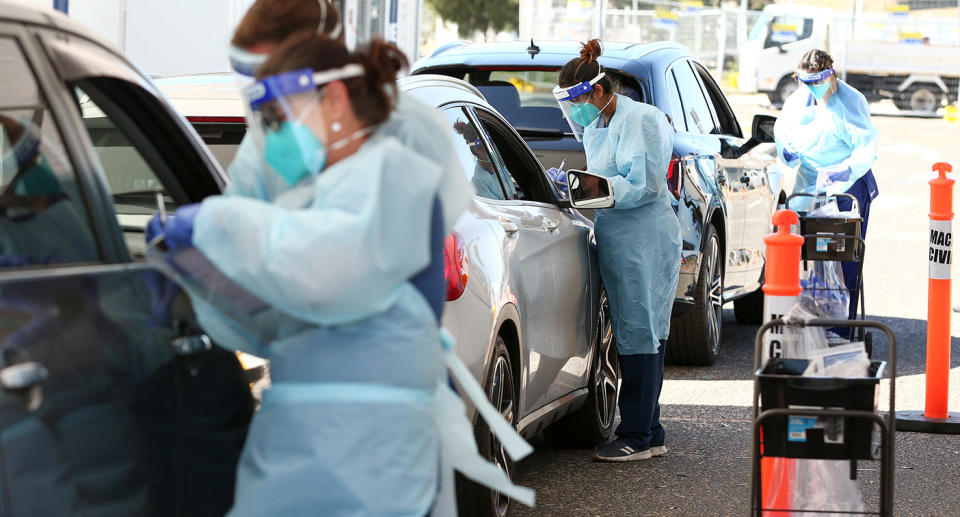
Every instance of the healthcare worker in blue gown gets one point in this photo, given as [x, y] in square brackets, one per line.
[638, 240]
[825, 130]
[264, 26]
[360, 418]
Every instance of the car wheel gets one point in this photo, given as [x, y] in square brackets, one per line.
[749, 309]
[785, 89]
[695, 336]
[592, 424]
[475, 500]
[922, 98]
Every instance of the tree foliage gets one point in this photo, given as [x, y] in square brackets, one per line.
[478, 15]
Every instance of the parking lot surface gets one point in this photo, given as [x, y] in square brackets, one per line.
[706, 411]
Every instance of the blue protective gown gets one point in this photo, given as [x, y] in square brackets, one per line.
[638, 240]
[360, 419]
[837, 133]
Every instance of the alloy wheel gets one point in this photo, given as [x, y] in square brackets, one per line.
[607, 367]
[502, 397]
[715, 295]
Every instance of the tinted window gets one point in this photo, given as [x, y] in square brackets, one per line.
[474, 157]
[725, 117]
[525, 178]
[695, 109]
[43, 219]
[525, 97]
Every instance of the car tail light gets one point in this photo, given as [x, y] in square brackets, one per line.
[455, 265]
[674, 177]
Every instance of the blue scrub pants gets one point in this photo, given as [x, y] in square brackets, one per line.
[864, 189]
[642, 380]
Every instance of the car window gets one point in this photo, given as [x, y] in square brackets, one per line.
[525, 174]
[787, 29]
[721, 109]
[43, 218]
[133, 180]
[474, 156]
[695, 109]
[525, 97]
[676, 107]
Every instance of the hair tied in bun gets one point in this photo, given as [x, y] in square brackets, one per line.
[591, 50]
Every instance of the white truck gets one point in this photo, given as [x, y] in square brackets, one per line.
[912, 60]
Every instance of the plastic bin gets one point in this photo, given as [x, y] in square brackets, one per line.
[832, 245]
[782, 386]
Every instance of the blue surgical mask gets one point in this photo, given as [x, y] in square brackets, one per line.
[819, 90]
[294, 152]
[584, 113]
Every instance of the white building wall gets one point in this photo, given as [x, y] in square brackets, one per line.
[172, 37]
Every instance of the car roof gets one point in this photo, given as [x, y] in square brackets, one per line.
[17, 11]
[438, 90]
[203, 95]
[217, 94]
[551, 54]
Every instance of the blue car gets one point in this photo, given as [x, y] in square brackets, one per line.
[725, 187]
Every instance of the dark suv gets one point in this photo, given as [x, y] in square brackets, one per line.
[112, 402]
[725, 187]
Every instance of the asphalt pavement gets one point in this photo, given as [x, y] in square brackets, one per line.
[706, 411]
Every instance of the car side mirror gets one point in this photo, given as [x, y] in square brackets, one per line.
[589, 191]
[781, 49]
[763, 128]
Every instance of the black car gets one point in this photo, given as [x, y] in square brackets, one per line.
[112, 401]
[725, 187]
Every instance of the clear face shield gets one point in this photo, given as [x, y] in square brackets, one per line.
[818, 83]
[279, 106]
[572, 101]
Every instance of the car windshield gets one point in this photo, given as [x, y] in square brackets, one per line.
[525, 98]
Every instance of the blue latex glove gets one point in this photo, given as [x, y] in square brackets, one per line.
[790, 156]
[559, 178]
[178, 230]
[16, 260]
[162, 292]
[837, 173]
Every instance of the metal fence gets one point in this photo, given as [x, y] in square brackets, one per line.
[710, 33]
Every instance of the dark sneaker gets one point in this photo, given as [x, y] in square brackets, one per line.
[618, 450]
[658, 450]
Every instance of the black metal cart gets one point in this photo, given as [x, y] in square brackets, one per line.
[836, 239]
[775, 389]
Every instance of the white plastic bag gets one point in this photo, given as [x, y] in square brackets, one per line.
[824, 290]
[825, 485]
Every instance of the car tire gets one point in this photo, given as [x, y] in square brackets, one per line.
[695, 336]
[474, 500]
[749, 309]
[922, 98]
[592, 424]
[785, 89]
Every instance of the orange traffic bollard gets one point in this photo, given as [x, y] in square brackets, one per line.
[781, 291]
[781, 286]
[935, 418]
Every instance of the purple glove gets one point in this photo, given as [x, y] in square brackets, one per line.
[559, 178]
[837, 173]
[178, 230]
[789, 155]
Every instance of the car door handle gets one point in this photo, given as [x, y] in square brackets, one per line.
[509, 226]
[186, 346]
[550, 224]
